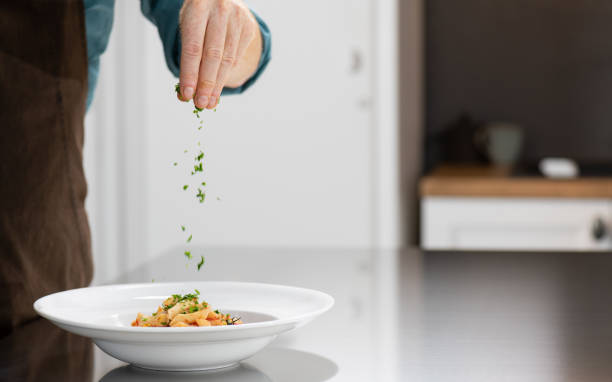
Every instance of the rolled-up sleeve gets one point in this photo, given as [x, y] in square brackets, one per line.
[165, 15]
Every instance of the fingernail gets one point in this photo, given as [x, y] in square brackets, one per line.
[213, 102]
[202, 101]
[187, 92]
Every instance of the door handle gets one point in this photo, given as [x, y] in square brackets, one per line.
[356, 62]
[599, 229]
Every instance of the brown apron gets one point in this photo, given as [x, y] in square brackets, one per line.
[44, 234]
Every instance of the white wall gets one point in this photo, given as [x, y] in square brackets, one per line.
[303, 159]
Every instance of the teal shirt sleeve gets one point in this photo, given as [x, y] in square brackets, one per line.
[98, 25]
[165, 14]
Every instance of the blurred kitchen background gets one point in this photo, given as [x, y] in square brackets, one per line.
[378, 124]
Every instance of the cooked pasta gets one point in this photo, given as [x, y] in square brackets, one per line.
[184, 311]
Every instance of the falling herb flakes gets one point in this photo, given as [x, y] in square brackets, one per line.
[200, 195]
[197, 168]
[201, 262]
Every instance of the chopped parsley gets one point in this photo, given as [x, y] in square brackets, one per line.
[197, 168]
[201, 262]
[200, 195]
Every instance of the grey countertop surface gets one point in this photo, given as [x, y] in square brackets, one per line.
[399, 316]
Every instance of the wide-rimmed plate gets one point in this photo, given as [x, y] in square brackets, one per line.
[105, 314]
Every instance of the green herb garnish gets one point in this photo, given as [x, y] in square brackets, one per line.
[200, 195]
[183, 228]
[185, 187]
[175, 164]
[189, 238]
[188, 254]
[177, 88]
[188, 297]
[201, 262]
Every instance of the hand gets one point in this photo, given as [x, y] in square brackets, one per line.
[219, 47]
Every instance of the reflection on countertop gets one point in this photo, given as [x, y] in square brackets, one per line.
[279, 364]
[399, 316]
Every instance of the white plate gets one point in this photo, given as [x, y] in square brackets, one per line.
[105, 314]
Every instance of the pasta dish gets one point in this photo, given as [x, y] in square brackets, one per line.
[184, 311]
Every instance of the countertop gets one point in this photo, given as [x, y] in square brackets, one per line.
[482, 181]
[399, 316]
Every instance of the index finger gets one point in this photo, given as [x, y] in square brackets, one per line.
[193, 27]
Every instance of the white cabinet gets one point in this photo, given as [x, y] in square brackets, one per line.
[543, 224]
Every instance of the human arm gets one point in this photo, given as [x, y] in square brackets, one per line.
[246, 69]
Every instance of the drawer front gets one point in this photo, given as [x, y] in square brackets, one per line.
[516, 224]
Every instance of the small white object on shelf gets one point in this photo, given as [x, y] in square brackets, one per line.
[559, 168]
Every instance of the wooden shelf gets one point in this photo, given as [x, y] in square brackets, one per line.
[469, 180]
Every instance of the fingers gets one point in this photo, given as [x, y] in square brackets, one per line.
[193, 26]
[214, 44]
[232, 42]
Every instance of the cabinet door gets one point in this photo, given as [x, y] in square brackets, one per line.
[516, 224]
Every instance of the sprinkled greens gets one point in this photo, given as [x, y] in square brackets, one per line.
[201, 262]
[198, 168]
